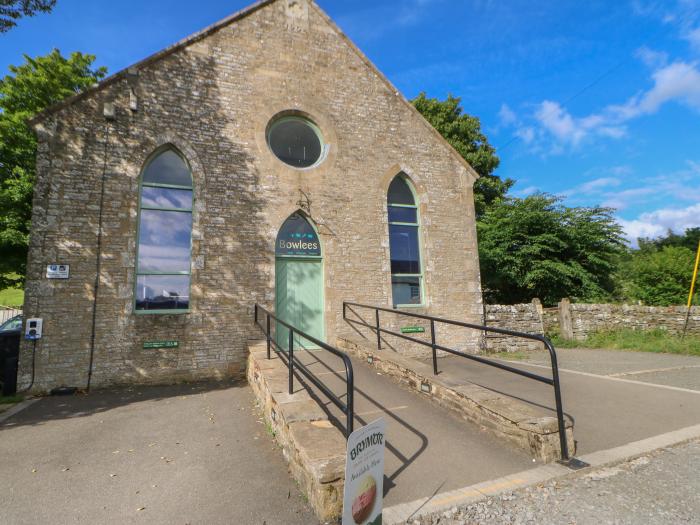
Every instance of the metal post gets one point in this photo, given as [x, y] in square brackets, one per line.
[557, 397]
[350, 405]
[269, 337]
[432, 341]
[256, 313]
[379, 334]
[291, 361]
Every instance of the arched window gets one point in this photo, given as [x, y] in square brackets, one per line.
[165, 235]
[404, 244]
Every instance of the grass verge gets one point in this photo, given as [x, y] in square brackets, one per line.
[8, 400]
[657, 341]
[11, 297]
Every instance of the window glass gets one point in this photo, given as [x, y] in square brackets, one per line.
[403, 215]
[168, 168]
[154, 197]
[400, 193]
[406, 290]
[164, 241]
[165, 235]
[295, 141]
[404, 243]
[163, 292]
[405, 256]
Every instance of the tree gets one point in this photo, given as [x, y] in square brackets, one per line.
[13, 10]
[464, 133]
[690, 239]
[35, 85]
[659, 277]
[536, 247]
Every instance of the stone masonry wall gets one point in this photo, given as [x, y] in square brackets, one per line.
[212, 98]
[520, 318]
[588, 318]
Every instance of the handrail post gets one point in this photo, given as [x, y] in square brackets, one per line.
[269, 336]
[255, 315]
[563, 443]
[291, 361]
[432, 340]
[350, 404]
[379, 333]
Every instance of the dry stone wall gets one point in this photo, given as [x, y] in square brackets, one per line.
[518, 317]
[588, 318]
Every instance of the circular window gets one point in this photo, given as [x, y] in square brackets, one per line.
[296, 141]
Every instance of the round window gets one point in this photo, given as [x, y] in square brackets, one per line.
[296, 141]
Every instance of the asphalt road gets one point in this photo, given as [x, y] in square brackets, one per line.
[607, 411]
[171, 455]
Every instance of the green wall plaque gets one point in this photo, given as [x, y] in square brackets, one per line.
[412, 330]
[161, 344]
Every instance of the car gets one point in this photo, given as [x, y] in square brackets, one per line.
[12, 325]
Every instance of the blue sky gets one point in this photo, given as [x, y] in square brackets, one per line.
[596, 101]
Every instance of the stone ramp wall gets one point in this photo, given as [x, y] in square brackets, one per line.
[313, 447]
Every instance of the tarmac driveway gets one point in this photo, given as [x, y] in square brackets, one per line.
[176, 455]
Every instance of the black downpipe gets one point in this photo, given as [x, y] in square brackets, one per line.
[98, 264]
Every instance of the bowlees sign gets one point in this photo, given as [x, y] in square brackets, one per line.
[364, 475]
[297, 238]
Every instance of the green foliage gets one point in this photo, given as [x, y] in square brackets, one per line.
[658, 341]
[13, 10]
[536, 247]
[28, 89]
[12, 296]
[658, 277]
[690, 239]
[10, 400]
[464, 133]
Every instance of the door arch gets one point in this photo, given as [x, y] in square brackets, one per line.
[299, 281]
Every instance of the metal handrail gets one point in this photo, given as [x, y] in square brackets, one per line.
[553, 381]
[293, 364]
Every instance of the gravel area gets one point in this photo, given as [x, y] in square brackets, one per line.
[660, 488]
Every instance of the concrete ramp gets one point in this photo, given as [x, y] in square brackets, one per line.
[429, 449]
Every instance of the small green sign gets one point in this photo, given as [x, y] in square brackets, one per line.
[412, 330]
[161, 344]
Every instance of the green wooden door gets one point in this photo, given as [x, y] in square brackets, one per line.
[299, 299]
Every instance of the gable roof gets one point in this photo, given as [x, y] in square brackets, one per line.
[235, 17]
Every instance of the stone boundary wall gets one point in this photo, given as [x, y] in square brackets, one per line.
[578, 321]
[518, 317]
[312, 446]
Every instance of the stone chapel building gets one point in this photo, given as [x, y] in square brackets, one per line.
[261, 160]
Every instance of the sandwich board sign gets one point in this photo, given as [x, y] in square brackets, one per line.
[364, 475]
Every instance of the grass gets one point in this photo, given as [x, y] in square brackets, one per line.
[514, 356]
[11, 296]
[7, 400]
[657, 341]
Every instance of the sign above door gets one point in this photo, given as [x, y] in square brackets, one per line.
[297, 238]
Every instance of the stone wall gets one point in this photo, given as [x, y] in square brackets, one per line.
[578, 321]
[212, 97]
[518, 317]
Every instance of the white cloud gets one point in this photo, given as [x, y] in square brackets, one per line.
[658, 222]
[598, 184]
[693, 36]
[678, 81]
[530, 190]
[507, 116]
[567, 130]
[653, 59]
